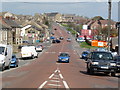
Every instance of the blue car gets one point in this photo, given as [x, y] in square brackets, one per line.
[14, 61]
[64, 57]
[84, 54]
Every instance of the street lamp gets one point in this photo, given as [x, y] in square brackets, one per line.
[118, 27]
[109, 23]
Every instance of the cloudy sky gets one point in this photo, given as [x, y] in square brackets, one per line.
[58, 0]
[78, 7]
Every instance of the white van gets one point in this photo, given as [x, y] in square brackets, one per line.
[5, 56]
[28, 51]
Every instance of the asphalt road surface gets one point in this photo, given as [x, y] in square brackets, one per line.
[46, 72]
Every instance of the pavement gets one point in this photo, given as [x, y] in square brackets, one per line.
[45, 72]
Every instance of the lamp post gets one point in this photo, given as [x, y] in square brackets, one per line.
[118, 27]
[109, 23]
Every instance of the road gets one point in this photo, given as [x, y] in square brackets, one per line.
[46, 72]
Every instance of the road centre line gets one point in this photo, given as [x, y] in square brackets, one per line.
[43, 84]
[65, 84]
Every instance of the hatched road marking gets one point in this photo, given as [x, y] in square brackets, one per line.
[54, 80]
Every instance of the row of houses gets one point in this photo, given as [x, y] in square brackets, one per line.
[14, 29]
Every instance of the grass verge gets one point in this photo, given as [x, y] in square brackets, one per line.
[85, 45]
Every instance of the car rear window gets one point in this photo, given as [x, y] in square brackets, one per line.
[64, 55]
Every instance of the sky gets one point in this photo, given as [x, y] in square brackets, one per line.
[78, 7]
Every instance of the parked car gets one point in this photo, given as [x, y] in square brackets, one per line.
[69, 39]
[39, 48]
[68, 32]
[14, 61]
[101, 61]
[80, 39]
[84, 54]
[64, 57]
[61, 38]
[117, 59]
[55, 29]
[5, 56]
[28, 51]
[55, 41]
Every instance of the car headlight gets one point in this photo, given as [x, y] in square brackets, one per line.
[66, 58]
[95, 63]
[112, 64]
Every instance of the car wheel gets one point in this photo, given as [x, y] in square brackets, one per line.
[3, 67]
[113, 74]
[107, 73]
[91, 71]
[88, 70]
[8, 67]
[37, 56]
[32, 56]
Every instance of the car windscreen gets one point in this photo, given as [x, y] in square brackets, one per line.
[64, 55]
[102, 56]
[2, 50]
[85, 53]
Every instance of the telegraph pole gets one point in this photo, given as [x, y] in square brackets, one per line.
[109, 23]
[118, 27]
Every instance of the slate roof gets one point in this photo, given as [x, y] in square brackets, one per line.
[11, 23]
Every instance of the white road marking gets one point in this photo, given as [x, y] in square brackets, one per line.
[61, 76]
[54, 85]
[51, 76]
[55, 78]
[54, 81]
[42, 85]
[65, 84]
[56, 71]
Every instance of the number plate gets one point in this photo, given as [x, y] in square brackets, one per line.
[104, 67]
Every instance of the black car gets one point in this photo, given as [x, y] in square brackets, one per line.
[55, 41]
[117, 59]
[101, 61]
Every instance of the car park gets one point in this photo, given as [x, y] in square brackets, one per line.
[28, 52]
[101, 61]
[69, 39]
[117, 60]
[14, 61]
[84, 54]
[64, 57]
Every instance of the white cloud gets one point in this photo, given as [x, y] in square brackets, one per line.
[58, 0]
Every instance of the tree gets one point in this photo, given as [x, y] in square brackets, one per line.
[97, 18]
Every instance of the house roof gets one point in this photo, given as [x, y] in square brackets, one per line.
[11, 23]
[104, 22]
[52, 14]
